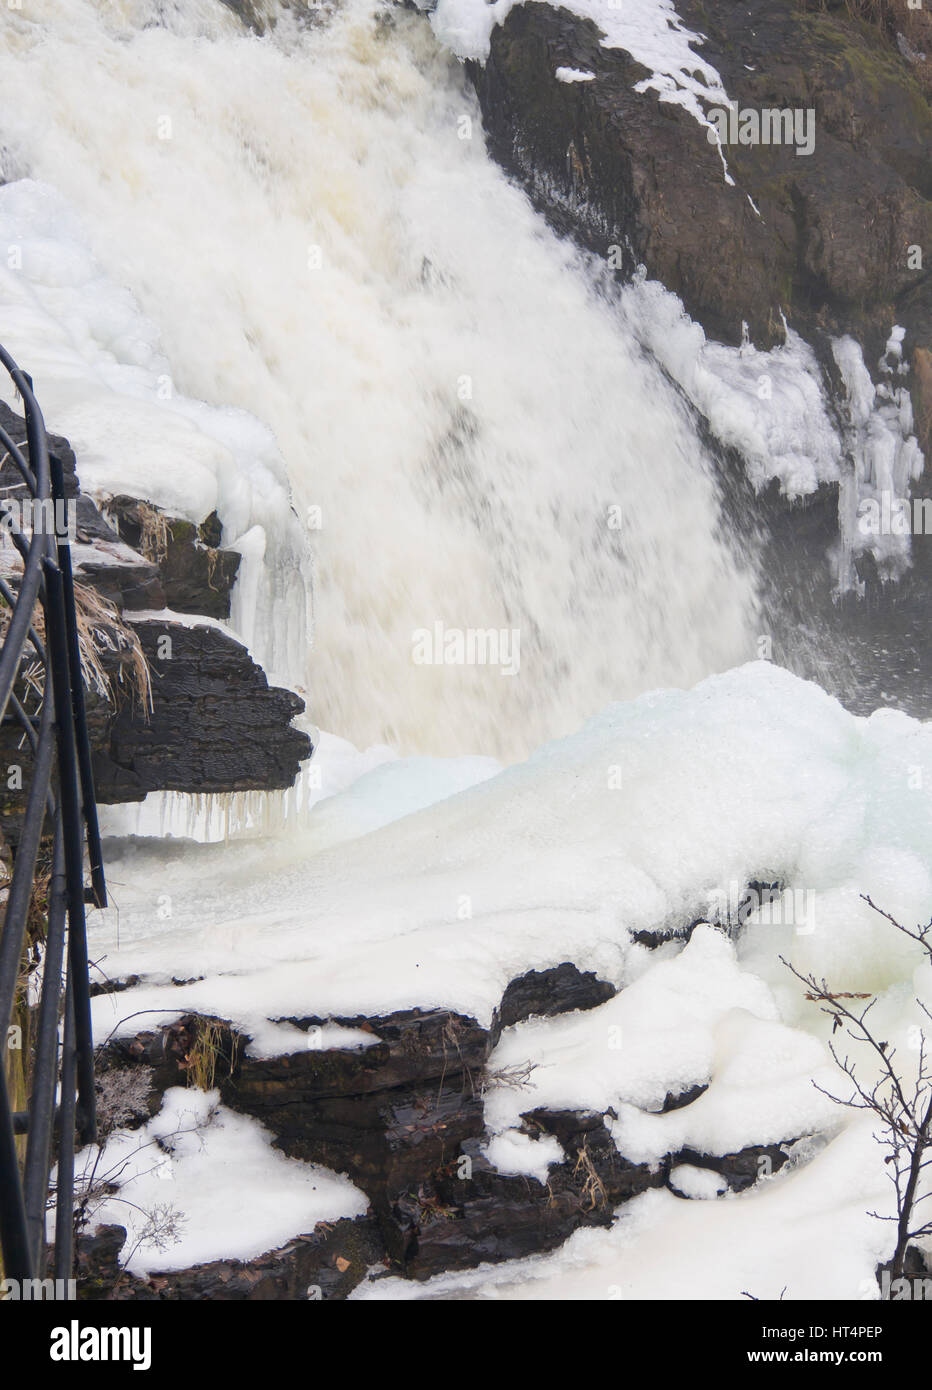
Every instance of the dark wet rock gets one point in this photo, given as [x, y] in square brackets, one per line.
[914, 1285]
[653, 939]
[195, 574]
[386, 1115]
[571, 1128]
[126, 1098]
[917, 1262]
[166, 1052]
[469, 1213]
[594, 1168]
[101, 558]
[740, 1170]
[10, 477]
[324, 1265]
[617, 167]
[215, 724]
[675, 1100]
[112, 986]
[412, 1044]
[922, 398]
[544, 993]
[97, 1262]
[404, 1120]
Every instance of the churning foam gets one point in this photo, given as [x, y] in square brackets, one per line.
[473, 437]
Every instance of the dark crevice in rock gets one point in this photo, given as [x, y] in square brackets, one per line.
[740, 1170]
[675, 1100]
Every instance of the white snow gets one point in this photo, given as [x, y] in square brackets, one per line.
[234, 1195]
[520, 1155]
[563, 857]
[419, 383]
[697, 1018]
[573, 75]
[698, 1183]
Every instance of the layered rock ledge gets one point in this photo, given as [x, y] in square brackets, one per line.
[403, 1118]
[173, 704]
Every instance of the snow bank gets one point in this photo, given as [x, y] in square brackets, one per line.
[561, 857]
[231, 1194]
[693, 1020]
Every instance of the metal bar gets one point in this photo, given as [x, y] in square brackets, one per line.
[82, 743]
[17, 911]
[57, 639]
[45, 1070]
[64, 1184]
[12, 447]
[20, 620]
[61, 759]
[14, 1236]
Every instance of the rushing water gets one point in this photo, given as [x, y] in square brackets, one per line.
[312, 222]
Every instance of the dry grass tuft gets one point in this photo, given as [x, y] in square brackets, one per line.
[592, 1193]
[201, 1062]
[155, 532]
[101, 630]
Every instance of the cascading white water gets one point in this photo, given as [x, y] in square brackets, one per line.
[313, 223]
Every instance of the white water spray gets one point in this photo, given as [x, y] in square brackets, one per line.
[471, 434]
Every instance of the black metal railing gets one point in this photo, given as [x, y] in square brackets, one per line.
[58, 811]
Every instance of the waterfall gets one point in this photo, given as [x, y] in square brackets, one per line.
[474, 440]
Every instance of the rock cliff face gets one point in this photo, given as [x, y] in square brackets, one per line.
[829, 244]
